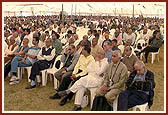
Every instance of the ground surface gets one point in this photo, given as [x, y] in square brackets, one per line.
[16, 98]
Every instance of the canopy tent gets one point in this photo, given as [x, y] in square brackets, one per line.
[149, 9]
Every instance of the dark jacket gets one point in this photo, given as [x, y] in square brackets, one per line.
[148, 85]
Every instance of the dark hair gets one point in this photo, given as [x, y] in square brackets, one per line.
[36, 38]
[46, 31]
[69, 32]
[28, 30]
[95, 31]
[97, 35]
[114, 40]
[57, 35]
[90, 31]
[87, 48]
[73, 46]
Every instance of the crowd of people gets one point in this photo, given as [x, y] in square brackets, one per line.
[98, 54]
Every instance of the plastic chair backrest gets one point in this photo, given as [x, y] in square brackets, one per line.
[140, 44]
[57, 62]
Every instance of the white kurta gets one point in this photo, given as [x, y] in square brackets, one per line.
[92, 80]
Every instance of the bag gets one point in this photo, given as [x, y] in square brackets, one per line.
[85, 101]
[100, 104]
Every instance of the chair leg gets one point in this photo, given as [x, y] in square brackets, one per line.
[153, 58]
[93, 94]
[28, 73]
[44, 78]
[134, 108]
[158, 57]
[115, 104]
[51, 77]
[55, 83]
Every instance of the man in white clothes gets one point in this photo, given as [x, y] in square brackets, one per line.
[94, 78]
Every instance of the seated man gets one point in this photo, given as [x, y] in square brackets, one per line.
[10, 49]
[153, 46]
[114, 80]
[69, 59]
[129, 59]
[45, 57]
[27, 60]
[95, 47]
[78, 72]
[20, 52]
[94, 78]
[140, 85]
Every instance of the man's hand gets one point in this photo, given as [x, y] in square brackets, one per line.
[73, 76]
[64, 71]
[23, 60]
[104, 89]
[97, 58]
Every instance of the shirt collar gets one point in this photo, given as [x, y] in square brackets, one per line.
[130, 55]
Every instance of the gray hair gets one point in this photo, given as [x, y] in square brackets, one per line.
[118, 53]
[139, 63]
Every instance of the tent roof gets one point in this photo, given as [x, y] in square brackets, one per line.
[88, 7]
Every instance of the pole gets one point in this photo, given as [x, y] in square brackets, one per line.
[75, 9]
[133, 11]
[71, 9]
[62, 14]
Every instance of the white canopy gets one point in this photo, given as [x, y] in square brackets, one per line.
[85, 8]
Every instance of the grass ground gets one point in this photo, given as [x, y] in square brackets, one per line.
[16, 98]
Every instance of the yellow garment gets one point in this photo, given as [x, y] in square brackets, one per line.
[82, 64]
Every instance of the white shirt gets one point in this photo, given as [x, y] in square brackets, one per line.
[48, 57]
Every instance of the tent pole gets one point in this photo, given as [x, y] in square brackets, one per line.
[62, 15]
[133, 11]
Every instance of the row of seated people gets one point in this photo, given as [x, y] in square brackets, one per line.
[40, 65]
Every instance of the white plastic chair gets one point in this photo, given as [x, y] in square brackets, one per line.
[142, 44]
[121, 47]
[115, 104]
[53, 70]
[21, 72]
[154, 54]
[143, 107]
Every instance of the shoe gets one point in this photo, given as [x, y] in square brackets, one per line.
[38, 84]
[77, 108]
[55, 96]
[63, 101]
[13, 78]
[62, 93]
[30, 87]
[14, 82]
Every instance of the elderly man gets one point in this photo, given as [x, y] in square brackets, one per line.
[94, 78]
[114, 80]
[95, 47]
[45, 57]
[140, 85]
[78, 72]
[107, 46]
[20, 51]
[69, 58]
[129, 59]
